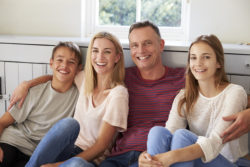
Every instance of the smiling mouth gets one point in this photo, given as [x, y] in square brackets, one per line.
[101, 64]
[142, 57]
[199, 70]
[63, 72]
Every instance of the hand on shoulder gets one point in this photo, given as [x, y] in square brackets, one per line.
[240, 126]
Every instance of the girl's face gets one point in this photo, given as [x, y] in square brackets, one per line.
[203, 63]
[104, 56]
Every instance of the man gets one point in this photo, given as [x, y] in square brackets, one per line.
[22, 129]
[152, 88]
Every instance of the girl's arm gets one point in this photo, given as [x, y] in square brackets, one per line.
[188, 153]
[21, 91]
[166, 159]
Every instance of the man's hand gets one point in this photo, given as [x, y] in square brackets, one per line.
[146, 160]
[240, 126]
[19, 95]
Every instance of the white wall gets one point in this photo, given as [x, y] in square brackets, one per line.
[228, 19]
[40, 17]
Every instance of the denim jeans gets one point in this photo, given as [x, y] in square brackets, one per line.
[161, 140]
[128, 159]
[58, 145]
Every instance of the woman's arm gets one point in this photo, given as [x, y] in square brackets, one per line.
[105, 138]
[21, 91]
[106, 134]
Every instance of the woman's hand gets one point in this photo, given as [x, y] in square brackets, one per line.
[19, 95]
[146, 160]
[52, 165]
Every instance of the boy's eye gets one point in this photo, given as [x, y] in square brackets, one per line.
[207, 57]
[192, 58]
[72, 62]
[59, 60]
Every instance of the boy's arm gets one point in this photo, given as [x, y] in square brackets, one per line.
[5, 121]
[21, 91]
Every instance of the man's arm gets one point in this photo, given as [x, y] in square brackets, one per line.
[240, 126]
[5, 121]
[21, 91]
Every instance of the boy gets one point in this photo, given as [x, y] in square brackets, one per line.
[22, 129]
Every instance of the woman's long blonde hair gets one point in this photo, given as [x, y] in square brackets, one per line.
[118, 74]
[191, 90]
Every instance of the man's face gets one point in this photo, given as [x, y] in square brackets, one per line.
[146, 47]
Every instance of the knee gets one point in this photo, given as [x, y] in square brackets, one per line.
[68, 124]
[181, 133]
[76, 162]
[156, 131]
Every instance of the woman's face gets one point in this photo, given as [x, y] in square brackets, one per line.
[203, 63]
[104, 56]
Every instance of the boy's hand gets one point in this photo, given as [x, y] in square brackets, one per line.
[19, 95]
[1, 154]
[146, 160]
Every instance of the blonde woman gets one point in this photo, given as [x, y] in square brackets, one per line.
[101, 110]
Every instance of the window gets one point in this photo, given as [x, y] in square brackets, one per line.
[117, 15]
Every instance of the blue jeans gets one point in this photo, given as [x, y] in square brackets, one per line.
[161, 140]
[128, 159]
[58, 145]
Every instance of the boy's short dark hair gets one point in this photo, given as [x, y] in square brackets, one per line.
[72, 46]
[144, 24]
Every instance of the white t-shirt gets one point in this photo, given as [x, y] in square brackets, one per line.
[206, 121]
[113, 110]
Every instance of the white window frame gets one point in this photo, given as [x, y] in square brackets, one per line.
[90, 25]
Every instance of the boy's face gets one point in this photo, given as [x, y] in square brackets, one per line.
[64, 65]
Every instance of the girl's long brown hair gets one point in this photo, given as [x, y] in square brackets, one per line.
[191, 90]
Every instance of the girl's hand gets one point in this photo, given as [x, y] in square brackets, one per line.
[146, 160]
[19, 95]
[164, 158]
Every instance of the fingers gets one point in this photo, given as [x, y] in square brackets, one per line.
[1, 154]
[230, 117]
[235, 134]
[146, 160]
[21, 103]
[229, 130]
